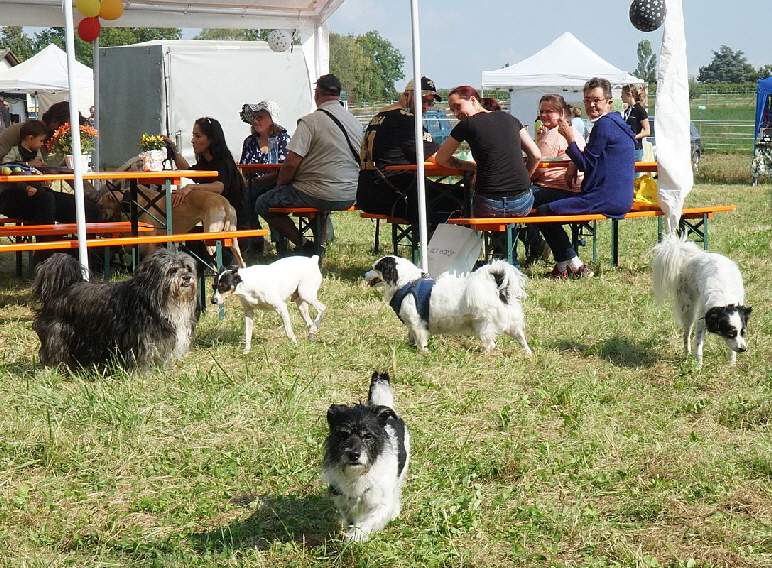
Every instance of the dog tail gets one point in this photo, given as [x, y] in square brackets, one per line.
[670, 255]
[507, 279]
[381, 393]
[56, 274]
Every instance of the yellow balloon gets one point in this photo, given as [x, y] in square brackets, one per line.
[111, 9]
[89, 8]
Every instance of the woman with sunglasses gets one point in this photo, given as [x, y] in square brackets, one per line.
[608, 163]
[498, 141]
[212, 153]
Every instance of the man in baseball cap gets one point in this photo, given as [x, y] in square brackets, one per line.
[390, 141]
[329, 84]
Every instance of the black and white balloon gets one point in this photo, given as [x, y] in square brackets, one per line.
[280, 40]
[647, 15]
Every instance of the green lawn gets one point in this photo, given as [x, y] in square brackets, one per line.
[607, 448]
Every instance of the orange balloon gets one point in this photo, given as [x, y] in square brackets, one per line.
[89, 8]
[89, 28]
[111, 9]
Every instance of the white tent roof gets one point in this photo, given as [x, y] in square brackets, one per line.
[566, 62]
[244, 14]
[46, 71]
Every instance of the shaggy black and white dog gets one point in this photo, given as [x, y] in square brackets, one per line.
[485, 303]
[140, 322]
[708, 293]
[366, 460]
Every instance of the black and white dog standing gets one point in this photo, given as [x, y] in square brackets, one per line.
[146, 320]
[485, 303]
[708, 293]
[366, 460]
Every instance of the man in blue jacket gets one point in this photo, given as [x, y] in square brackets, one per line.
[608, 163]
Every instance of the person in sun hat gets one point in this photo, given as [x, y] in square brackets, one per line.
[321, 166]
[263, 118]
[389, 140]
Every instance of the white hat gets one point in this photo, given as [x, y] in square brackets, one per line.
[249, 110]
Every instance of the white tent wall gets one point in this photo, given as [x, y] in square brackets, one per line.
[185, 80]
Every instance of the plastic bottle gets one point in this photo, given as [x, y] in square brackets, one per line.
[273, 149]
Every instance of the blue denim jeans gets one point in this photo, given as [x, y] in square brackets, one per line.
[503, 206]
[290, 196]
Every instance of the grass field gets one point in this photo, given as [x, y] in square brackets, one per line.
[607, 448]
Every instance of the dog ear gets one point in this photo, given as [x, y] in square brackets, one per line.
[387, 266]
[746, 310]
[334, 413]
[222, 269]
[383, 413]
[712, 319]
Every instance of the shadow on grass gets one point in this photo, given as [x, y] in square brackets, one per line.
[307, 521]
[619, 351]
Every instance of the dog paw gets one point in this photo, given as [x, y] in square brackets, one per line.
[355, 534]
[245, 351]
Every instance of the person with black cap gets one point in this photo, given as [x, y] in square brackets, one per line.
[321, 166]
[390, 141]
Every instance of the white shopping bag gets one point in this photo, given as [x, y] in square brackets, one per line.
[453, 249]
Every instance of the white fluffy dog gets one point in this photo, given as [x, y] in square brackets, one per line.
[268, 286]
[708, 291]
[484, 303]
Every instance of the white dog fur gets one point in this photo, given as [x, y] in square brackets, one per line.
[268, 286]
[708, 291]
[484, 303]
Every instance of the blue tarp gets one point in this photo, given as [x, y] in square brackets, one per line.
[763, 105]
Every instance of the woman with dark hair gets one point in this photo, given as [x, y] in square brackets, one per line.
[212, 153]
[497, 140]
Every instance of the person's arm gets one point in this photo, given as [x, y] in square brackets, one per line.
[179, 162]
[178, 195]
[289, 168]
[532, 152]
[445, 157]
[645, 129]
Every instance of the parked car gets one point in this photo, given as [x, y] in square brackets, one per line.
[438, 124]
[696, 142]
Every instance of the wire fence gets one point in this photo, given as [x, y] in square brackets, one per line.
[729, 136]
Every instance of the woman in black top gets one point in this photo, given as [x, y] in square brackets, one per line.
[497, 140]
[635, 115]
[212, 154]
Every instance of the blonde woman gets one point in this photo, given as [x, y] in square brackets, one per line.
[636, 116]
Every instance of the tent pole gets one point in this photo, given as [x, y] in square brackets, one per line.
[96, 161]
[80, 211]
[419, 136]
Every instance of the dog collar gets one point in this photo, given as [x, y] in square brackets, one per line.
[421, 290]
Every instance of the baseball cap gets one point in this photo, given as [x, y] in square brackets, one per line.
[427, 88]
[329, 83]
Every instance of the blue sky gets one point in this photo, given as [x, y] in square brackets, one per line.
[462, 38]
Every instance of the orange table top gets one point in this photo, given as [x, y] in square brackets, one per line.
[435, 169]
[148, 177]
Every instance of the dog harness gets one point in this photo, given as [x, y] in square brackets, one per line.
[421, 290]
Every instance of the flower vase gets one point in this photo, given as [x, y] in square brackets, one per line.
[153, 160]
[85, 160]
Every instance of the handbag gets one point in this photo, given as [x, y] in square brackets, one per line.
[453, 249]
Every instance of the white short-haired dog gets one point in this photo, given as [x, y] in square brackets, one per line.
[484, 303]
[366, 459]
[268, 286]
[708, 291]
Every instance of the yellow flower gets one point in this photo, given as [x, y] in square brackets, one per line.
[152, 142]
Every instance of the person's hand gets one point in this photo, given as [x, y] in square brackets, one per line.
[565, 130]
[179, 195]
[36, 163]
[31, 190]
[541, 132]
[570, 177]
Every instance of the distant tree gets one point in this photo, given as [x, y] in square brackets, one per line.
[352, 65]
[647, 62]
[233, 35]
[727, 66]
[764, 72]
[388, 64]
[14, 38]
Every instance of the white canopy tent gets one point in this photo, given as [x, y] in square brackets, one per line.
[45, 76]
[562, 67]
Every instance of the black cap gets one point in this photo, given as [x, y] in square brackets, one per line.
[427, 88]
[329, 83]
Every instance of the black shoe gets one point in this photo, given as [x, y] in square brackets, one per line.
[308, 248]
[540, 251]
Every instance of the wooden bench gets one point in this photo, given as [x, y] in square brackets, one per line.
[403, 233]
[503, 231]
[310, 221]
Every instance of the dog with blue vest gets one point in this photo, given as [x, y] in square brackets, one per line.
[484, 303]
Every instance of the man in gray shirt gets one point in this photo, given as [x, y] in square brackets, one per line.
[322, 164]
